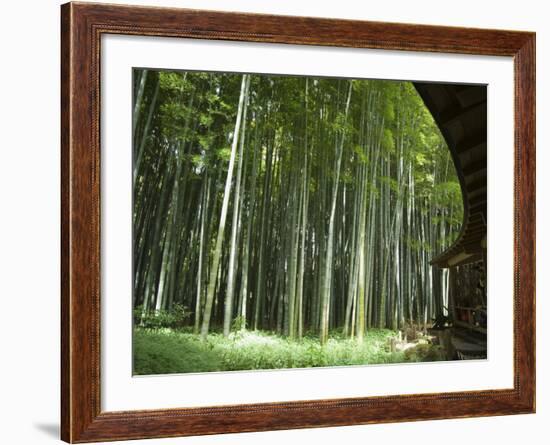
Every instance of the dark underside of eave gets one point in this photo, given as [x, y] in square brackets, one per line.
[460, 112]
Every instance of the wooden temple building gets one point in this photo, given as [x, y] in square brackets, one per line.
[460, 111]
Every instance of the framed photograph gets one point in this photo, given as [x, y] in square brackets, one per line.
[275, 222]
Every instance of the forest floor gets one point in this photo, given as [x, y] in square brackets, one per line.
[166, 351]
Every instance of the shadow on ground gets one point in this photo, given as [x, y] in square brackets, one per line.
[49, 429]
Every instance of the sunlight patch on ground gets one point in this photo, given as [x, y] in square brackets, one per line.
[251, 338]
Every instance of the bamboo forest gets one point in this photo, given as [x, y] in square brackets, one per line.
[286, 222]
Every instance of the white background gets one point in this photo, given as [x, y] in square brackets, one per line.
[29, 235]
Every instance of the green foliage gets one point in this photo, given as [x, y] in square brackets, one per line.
[197, 160]
[360, 152]
[387, 140]
[224, 154]
[239, 323]
[206, 119]
[167, 351]
[175, 318]
[389, 112]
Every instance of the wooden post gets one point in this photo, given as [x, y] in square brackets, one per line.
[452, 292]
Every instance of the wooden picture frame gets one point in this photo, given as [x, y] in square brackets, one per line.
[82, 26]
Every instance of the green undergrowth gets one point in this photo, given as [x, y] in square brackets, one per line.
[166, 351]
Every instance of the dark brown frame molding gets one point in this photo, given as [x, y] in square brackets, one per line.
[82, 25]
